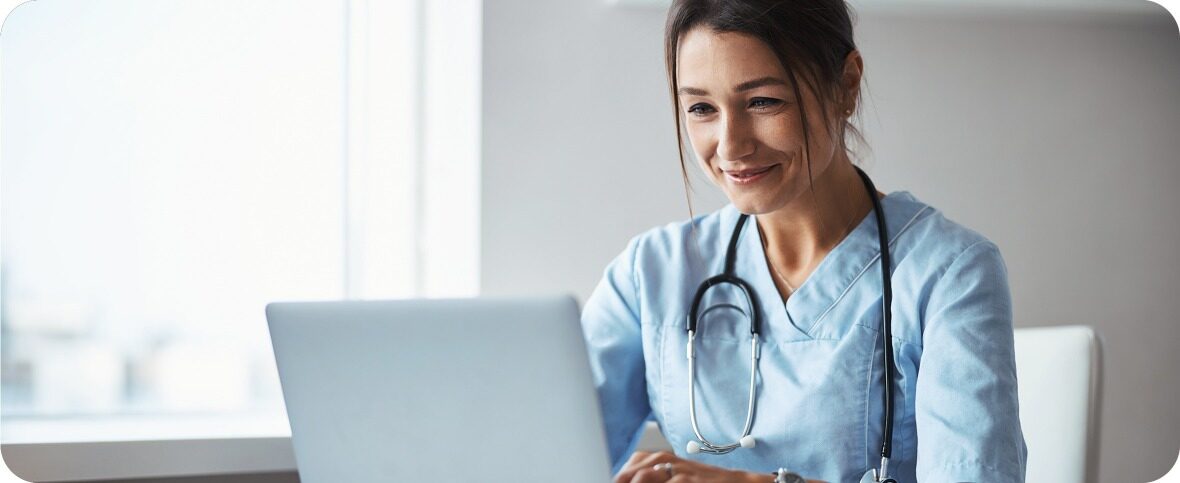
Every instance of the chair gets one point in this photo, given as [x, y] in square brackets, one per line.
[1059, 377]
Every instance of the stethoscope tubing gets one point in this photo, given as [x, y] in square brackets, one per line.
[729, 277]
[887, 322]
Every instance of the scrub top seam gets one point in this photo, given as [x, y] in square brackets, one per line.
[635, 245]
[639, 303]
[866, 267]
[942, 274]
[955, 260]
[868, 394]
[906, 396]
[664, 426]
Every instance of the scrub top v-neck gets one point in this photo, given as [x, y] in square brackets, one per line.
[820, 382]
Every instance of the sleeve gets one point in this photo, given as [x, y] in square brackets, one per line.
[966, 408]
[611, 323]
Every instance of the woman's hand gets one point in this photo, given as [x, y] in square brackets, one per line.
[641, 468]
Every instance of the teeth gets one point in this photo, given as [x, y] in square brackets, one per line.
[749, 174]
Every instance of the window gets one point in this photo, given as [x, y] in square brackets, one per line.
[168, 167]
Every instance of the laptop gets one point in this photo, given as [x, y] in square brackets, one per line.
[439, 390]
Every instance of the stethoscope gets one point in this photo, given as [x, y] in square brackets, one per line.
[702, 445]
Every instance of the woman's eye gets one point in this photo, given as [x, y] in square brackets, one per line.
[700, 109]
[764, 102]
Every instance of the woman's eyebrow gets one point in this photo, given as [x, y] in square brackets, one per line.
[745, 86]
[756, 83]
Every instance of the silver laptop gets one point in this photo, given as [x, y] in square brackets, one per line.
[439, 390]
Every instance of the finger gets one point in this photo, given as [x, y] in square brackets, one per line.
[660, 457]
[629, 468]
[642, 460]
[650, 475]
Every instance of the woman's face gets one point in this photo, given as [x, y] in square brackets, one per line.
[742, 120]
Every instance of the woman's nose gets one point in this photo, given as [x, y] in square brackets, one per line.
[735, 139]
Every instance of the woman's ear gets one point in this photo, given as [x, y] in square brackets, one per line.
[850, 82]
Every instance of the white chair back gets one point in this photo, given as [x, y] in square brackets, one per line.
[1059, 374]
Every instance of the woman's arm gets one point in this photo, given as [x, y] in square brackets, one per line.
[611, 323]
[966, 409]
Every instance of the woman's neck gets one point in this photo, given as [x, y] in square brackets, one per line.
[799, 235]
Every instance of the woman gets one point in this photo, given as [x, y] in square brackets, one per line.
[765, 91]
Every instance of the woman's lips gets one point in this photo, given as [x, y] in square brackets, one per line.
[748, 176]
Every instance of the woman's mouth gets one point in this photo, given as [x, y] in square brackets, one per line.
[749, 175]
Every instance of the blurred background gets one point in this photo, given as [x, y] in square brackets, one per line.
[168, 167]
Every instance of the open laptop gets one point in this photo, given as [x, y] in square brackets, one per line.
[439, 390]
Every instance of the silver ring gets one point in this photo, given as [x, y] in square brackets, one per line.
[665, 467]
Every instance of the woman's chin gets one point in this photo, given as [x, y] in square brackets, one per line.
[763, 201]
[751, 205]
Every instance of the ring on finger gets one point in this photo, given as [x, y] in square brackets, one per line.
[666, 468]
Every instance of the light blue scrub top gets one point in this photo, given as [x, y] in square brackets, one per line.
[820, 383]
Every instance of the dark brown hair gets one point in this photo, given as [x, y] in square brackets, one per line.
[811, 38]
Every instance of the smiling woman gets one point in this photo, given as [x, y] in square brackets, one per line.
[765, 91]
[751, 136]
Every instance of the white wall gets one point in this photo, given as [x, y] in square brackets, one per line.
[1050, 133]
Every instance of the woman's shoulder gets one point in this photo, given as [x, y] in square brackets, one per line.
[926, 234]
[676, 239]
[953, 277]
[677, 250]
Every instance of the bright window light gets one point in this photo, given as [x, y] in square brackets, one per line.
[168, 167]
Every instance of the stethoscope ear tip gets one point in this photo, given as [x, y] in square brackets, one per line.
[747, 441]
[693, 447]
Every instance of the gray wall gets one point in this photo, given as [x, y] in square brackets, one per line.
[1053, 134]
